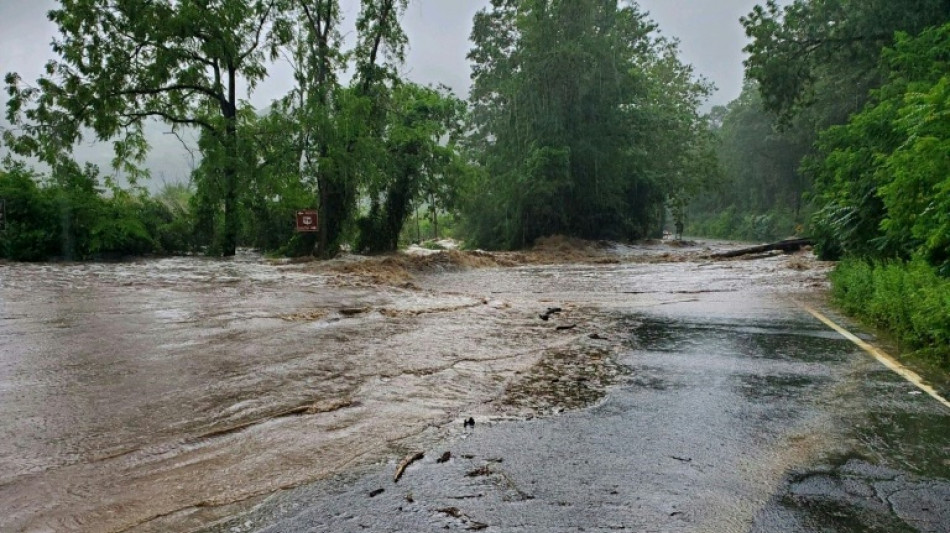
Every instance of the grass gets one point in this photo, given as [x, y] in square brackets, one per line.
[909, 300]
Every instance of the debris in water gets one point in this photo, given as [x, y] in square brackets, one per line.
[470, 423]
[551, 311]
[353, 311]
[454, 512]
[329, 406]
[409, 459]
[376, 493]
[567, 327]
[480, 472]
[445, 457]
[790, 245]
[311, 316]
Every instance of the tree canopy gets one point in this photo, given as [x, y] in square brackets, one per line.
[583, 122]
[883, 179]
[123, 61]
[826, 52]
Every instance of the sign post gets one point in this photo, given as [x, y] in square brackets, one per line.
[307, 221]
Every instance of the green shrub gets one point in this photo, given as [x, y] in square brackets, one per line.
[32, 220]
[732, 224]
[908, 299]
[69, 217]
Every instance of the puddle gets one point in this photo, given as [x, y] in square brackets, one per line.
[788, 386]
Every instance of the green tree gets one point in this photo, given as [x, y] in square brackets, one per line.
[882, 179]
[339, 130]
[760, 193]
[579, 120]
[121, 62]
[825, 52]
[419, 149]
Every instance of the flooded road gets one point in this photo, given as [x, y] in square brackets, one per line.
[164, 395]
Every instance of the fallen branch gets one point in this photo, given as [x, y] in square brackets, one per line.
[411, 458]
[792, 245]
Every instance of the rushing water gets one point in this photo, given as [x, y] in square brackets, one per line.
[147, 394]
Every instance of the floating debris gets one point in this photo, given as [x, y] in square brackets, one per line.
[408, 460]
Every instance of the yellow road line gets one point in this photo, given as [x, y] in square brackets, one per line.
[881, 356]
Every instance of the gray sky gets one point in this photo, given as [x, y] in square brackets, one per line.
[709, 31]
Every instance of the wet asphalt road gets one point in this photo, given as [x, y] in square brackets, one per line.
[740, 413]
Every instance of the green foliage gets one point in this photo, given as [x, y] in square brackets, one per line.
[121, 63]
[825, 52]
[735, 224]
[68, 216]
[760, 193]
[338, 134]
[909, 299]
[582, 123]
[32, 219]
[883, 180]
[416, 160]
[917, 197]
[814, 63]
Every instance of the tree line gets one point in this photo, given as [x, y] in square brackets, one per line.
[582, 121]
[843, 132]
[839, 130]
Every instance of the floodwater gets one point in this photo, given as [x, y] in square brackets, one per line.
[732, 410]
[161, 395]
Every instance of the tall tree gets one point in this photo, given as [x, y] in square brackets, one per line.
[339, 128]
[572, 105]
[882, 179]
[418, 149]
[760, 160]
[313, 107]
[826, 51]
[122, 62]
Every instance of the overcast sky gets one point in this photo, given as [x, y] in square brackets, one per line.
[709, 31]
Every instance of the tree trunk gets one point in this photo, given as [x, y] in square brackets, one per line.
[791, 245]
[418, 227]
[435, 217]
[229, 240]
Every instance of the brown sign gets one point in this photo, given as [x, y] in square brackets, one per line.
[307, 221]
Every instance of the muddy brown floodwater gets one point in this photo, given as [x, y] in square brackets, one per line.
[160, 395]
